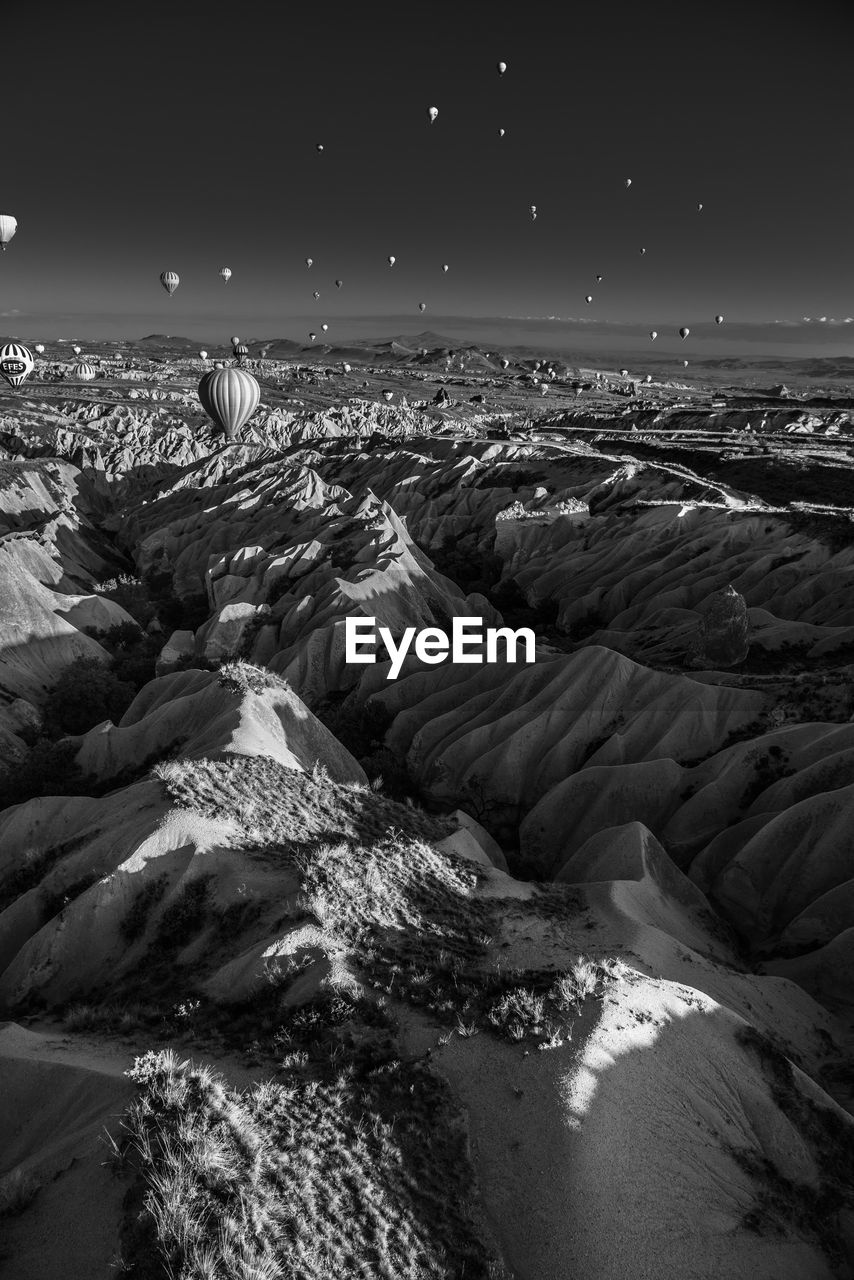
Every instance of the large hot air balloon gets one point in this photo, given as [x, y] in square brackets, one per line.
[8, 227]
[309, 261]
[338, 284]
[316, 295]
[432, 113]
[229, 397]
[392, 261]
[84, 372]
[683, 333]
[653, 334]
[40, 348]
[226, 274]
[719, 319]
[502, 67]
[16, 363]
[170, 281]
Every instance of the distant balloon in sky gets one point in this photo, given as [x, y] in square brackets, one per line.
[40, 348]
[653, 334]
[501, 132]
[649, 377]
[444, 266]
[8, 227]
[504, 363]
[422, 306]
[77, 350]
[170, 281]
[683, 333]
[432, 112]
[324, 327]
[241, 349]
[643, 251]
[16, 363]
[84, 372]
[719, 319]
[203, 355]
[628, 183]
[309, 261]
[318, 146]
[234, 340]
[312, 336]
[316, 295]
[589, 298]
[699, 208]
[598, 279]
[533, 212]
[684, 364]
[226, 274]
[338, 284]
[502, 67]
[229, 397]
[391, 261]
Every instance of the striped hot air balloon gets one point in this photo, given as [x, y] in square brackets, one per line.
[226, 274]
[84, 372]
[16, 363]
[229, 397]
[170, 281]
[241, 351]
[8, 227]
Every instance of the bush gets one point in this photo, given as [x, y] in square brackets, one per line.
[87, 693]
[48, 769]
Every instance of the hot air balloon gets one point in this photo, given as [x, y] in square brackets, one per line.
[84, 372]
[235, 340]
[642, 252]
[203, 355]
[699, 208]
[624, 373]
[338, 284]
[684, 364]
[345, 368]
[387, 395]
[392, 261]
[432, 112]
[312, 336]
[501, 132]
[504, 363]
[502, 67]
[628, 183]
[241, 351]
[324, 327]
[683, 333]
[719, 319]
[649, 377]
[318, 146]
[316, 295]
[226, 274]
[589, 298]
[8, 227]
[16, 363]
[170, 281]
[229, 397]
[309, 261]
[598, 279]
[653, 334]
[40, 348]
[533, 212]
[422, 306]
[444, 266]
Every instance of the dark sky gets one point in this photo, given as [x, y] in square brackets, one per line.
[182, 137]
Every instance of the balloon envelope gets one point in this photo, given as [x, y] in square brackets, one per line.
[39, 348]
[432, 112]
[309, 261]
[422, 306]
[653, 334]
[719, 319]
[84, 372]
[16, 363]
[229, 397]
[170, 281]
[203, 355]
[226, 274]
[502, 67]
[392, 261]
[8, 227]
[338, 284]
[683, 333]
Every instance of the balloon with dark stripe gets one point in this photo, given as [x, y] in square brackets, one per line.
[229, 397]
